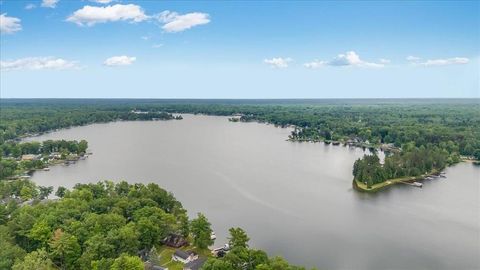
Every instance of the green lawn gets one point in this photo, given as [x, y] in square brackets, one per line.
[379, 186]
[166, 253]
[361, 186]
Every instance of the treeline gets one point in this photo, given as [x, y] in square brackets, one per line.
[411, 161]
[20, 119]
[101, 226]
[16, 149]
[12, 151]
[443, 123]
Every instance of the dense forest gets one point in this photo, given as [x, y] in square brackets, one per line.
[20, 118]
[411, 161]
[105, 226]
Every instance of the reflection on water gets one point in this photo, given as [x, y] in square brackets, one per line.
[294, 199]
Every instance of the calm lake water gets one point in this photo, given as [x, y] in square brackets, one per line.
[293, 199]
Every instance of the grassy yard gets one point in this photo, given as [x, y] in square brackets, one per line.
[376, 187]
[165, 253]
[361, 186]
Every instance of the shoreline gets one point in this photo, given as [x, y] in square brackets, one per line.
[359, 186]
[27, 174]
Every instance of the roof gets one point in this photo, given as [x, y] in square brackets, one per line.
[28, 157]
[175, 240]
[181, 254]
[150, 266]
[195, 265]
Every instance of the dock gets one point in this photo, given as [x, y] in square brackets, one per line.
[414, 184]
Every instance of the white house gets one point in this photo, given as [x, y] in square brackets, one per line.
[184, 256]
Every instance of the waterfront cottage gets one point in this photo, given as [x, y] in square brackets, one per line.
[175, 240]
[29, 157]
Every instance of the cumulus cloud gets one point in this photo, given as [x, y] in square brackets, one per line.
[50, 3]
[278, 62]
[174, 22]
[122, 60]
[315, 64]
[349, 58]
[438, 62]
[9, 25]
[37, 63]
[156, 46]
[90, 15]
[384, 61]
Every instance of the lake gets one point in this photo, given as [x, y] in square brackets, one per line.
[293, 199]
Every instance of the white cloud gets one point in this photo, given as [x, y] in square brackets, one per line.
[278, 62]
[438, 62]
[30, 6]
[315, 64]
[448, 61]
[102, 1]
[175, 22]
[50, 3]
[37, 63]
[90, 15]
[172, 21]
[351, 58]
[122, 60]
[155, 46]
[9, 25]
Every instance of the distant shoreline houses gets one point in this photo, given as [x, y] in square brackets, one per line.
[139, 112]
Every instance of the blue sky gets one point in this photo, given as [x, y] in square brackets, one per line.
[239, 49]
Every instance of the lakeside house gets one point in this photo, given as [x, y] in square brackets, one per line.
[55, 155]
[29, 157]
[175, 241]
[184, 256]
[139, 112]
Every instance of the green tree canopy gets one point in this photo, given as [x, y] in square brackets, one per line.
[201, 231]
